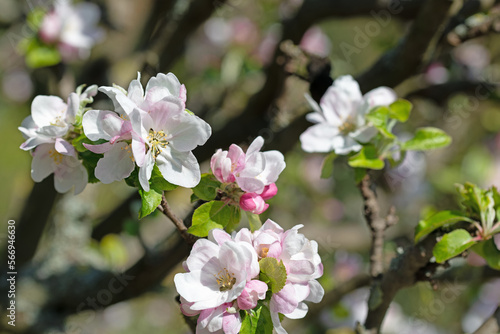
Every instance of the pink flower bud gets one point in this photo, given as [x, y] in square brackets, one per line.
[254, 290]
[225, 164]
[51, 28]
[253, 203]
[269, 191]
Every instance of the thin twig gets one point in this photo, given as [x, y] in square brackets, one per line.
[179, 223]
[377, 226]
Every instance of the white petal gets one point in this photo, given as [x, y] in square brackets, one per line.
[381, 96]
[146, 170]
[42, 165]
[101, 124]
[278, 328]
[70, 173]
[180, 168]
[319, 138]
[168, 81]
[348, 86]
[345, 145]
[317, 292]
[116, 164]
[299, 313]
[255, 146]
[364, 134]
[28, 127]
[135, 90]
[191, 287]
[65, 148]
[192, 131]
[73, 107]
[204, 252]
[45, 109]
[337, 106]
[165, 113]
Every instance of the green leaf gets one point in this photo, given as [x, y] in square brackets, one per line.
[426, 226]
[367, 158]
[273, 273]
[327, 168]
[89, 161]
[42, 56]
[254, 221]
[427, 139]
[234, 219]
[207, 188]
[452, 244]
[400, 110]
[158, 182]
[133, 179]
[150, 201]
[488, 251]
[258, 321]
[214, 214]
[359, 174]
[379, 117]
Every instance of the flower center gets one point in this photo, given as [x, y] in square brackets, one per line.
[157, 141]
[56, 156]
[347, 127]
[264, 251]
[58, 121]
[225, 280]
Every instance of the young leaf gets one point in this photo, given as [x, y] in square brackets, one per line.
[427, 139]
[367, 158]
[207, 188]
[379, 117]
[327, 168]
[254, 221]
[234, 219]
[150, 201]
[214, 214]
[273, 273]
[257, 322]
[426, 226]
[89, 161]
[452, 244]
[488, 251]
[400, 110]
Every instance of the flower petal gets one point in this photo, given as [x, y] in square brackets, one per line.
[180, 168]
[319, 138]
[42, 164]
[145, 170]
[45, 110]
[116, 165]
[65, 148]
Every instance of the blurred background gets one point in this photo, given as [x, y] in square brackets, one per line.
[225, 53]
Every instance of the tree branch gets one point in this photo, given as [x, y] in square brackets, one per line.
[404, 60]
[179, 223]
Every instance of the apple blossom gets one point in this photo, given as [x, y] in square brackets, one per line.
[340, 117]
[52, 125]
[218, 320]
[219, 270]
[251, 175]
[166, 136]
[157, 88]
[59, 158]
[303, 267]
[73, 28]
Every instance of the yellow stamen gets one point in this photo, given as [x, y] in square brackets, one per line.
[56, 156]
[225, 280]
[157, 140]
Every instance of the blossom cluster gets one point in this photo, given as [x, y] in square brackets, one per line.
[146, 127]
[340, 117]
[226, 278]
[72, 29]
[248, 179]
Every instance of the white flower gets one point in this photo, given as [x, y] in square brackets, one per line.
[157, 88]
[217, 272]
[59, 158]
[261, 168]
[166, 136]
[303, 267]
[73, 28]
[340, 117]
